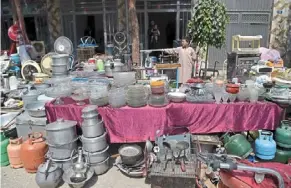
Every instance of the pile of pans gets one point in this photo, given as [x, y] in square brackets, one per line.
[59, 65]
[94, 140]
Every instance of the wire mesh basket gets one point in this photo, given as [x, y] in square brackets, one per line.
[84, 53]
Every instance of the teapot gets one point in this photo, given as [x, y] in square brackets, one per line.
[48, 175]
[80, 168]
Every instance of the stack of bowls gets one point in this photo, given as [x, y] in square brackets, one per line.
[158, 97]
[59, 65]
[123, 79]
[94, 140]
[117, 98]
[136, 96]
[62, 140]
[98, 94]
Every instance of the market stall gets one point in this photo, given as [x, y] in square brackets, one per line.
[128, 124]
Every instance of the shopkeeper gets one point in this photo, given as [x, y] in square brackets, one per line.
[187, 56]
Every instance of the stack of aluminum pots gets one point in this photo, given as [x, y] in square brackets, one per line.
[62, 141]
[94, 140]
[59, 65]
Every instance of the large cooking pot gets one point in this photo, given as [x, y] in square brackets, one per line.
[113, 66]
[59, 69]
[94, 144]
[101, 168]
[64, 164]
[63, 151]
[36, 109]
[130, 154]
[92, 130]
[60, 59]
[61, 132]
[97, 157]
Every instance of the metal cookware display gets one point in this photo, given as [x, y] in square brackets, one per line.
[92, 130]
[91, 121]
[62, 151]
[36, 109]
[61, 132]
[130, 154]
[89, 111]
[60, 69]
[60, 59]
[48, 175]
[31, 96]
[102, 167]
[97, 157]
[94, 144]
[64, 164]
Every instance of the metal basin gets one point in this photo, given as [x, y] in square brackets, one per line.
[70, 172]
[102, 167]
[36, 109]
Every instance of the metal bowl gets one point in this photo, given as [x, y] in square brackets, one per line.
[36, 109]
[70, 172]
[130, 154]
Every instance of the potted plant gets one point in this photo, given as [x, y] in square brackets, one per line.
[207, 26]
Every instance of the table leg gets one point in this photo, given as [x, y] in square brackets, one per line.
[177, 78]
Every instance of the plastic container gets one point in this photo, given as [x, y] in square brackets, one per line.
[13, 150]
[157, 87]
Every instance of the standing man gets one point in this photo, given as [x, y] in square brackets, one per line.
[187, 56]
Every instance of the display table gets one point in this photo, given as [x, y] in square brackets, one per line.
[128, 124]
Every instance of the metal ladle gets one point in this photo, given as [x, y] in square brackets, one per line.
[182, 146]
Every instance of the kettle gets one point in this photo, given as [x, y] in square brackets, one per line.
[80, 168]
[48, 175]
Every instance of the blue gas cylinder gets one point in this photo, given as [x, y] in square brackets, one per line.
[265, 146]
[15, 58]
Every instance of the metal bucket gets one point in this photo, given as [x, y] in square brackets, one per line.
[97, 157]
[62, 151]
[94, 144]
[93, 130]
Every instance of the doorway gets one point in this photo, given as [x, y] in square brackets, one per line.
[30, 28]
[166, 23]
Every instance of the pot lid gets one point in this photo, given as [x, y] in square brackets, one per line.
[60, 124]
[51, 168]
[89, 108]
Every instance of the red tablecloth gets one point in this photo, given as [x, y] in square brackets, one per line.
[137, 124]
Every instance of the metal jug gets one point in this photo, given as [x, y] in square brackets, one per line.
[80, 168]
[48, 175]
[265, 146]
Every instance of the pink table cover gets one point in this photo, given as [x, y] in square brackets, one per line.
[128, 124]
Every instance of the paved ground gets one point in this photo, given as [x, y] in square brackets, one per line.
[18, 178]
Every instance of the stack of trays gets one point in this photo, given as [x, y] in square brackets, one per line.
[136, 96]
[59, 65]
[62, 141]
[94, 140]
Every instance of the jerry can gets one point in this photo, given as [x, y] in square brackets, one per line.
[265, 146]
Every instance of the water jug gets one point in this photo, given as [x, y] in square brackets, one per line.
[32, 152]
[13, 150]
[265, 146]
[4, 156]
[100, 65]
[237, 145]
[283, 134]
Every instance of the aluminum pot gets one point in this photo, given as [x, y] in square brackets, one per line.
[59, 69]
[62, 151]
[64, 164]
[60, 59]
[97, 157]
[89, 111]
[92, 130]
[36, 109]
[61, 132]
[102, 167]
[31, 96]
[94, 144]
[91, 121]
[130, 154]
[41, 87]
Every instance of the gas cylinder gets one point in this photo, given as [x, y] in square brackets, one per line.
[282, 155]
[237, 145]
[13, 150]
[283, 134]
[4, 156]
[32, 152]
[265, 146]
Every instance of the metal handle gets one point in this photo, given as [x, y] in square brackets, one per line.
[72, 157]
